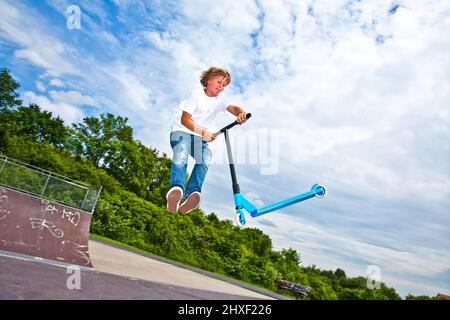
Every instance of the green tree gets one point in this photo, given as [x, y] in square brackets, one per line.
[9, 102]
[9, 97]
[257, 241]
[340, 274]
[40, 126]
[141, 170]
[100, 139]
[291, 257]
[320, 288]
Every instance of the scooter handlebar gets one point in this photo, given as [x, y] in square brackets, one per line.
[231, 125]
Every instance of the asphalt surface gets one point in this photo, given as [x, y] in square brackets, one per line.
[120, 274]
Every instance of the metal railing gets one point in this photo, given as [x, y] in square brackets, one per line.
[45, 184]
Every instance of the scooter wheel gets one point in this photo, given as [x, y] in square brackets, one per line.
[239, 219]
[320, 191]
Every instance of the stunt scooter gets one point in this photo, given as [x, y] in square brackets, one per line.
[243, 204]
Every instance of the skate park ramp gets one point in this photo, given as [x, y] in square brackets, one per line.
[43, 214]
[40, 228]
[43, 243]
[139, 265]
[46, 252]
[120, 274]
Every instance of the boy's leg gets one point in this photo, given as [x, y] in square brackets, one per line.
[180, 143]
[202, 155]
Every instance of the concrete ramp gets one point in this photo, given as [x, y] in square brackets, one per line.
[40, 228]
[46, 218]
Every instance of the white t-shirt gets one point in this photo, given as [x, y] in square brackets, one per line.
[202, 108]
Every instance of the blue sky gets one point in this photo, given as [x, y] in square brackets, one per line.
[352, 94]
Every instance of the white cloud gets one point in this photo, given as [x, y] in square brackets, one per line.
[40, 86]
[72, 97]
[254, 199]
[135, 95]
[66, 105]
[56, 83]
[21, 25]
[330, 249]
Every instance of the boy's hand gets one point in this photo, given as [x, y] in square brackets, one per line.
[241, 117]
[208, 136]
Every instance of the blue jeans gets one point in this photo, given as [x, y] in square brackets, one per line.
[184, 144]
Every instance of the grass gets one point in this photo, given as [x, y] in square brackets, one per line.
[121, 244]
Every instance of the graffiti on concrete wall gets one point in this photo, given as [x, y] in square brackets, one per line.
[41, 228]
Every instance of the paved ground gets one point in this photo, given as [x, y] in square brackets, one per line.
[119, 274]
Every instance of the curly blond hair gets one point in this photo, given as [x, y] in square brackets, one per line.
[214, 71]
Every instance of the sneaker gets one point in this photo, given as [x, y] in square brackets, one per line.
[192, 202]
[173, 198]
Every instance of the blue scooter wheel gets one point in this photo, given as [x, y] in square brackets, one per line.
[320, 191]
[239, 218]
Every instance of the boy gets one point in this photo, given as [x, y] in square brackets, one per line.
[190, 134]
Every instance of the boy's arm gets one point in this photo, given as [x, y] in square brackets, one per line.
[186, 120]
[239, 112]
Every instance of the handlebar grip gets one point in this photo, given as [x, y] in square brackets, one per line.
[231, 125]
